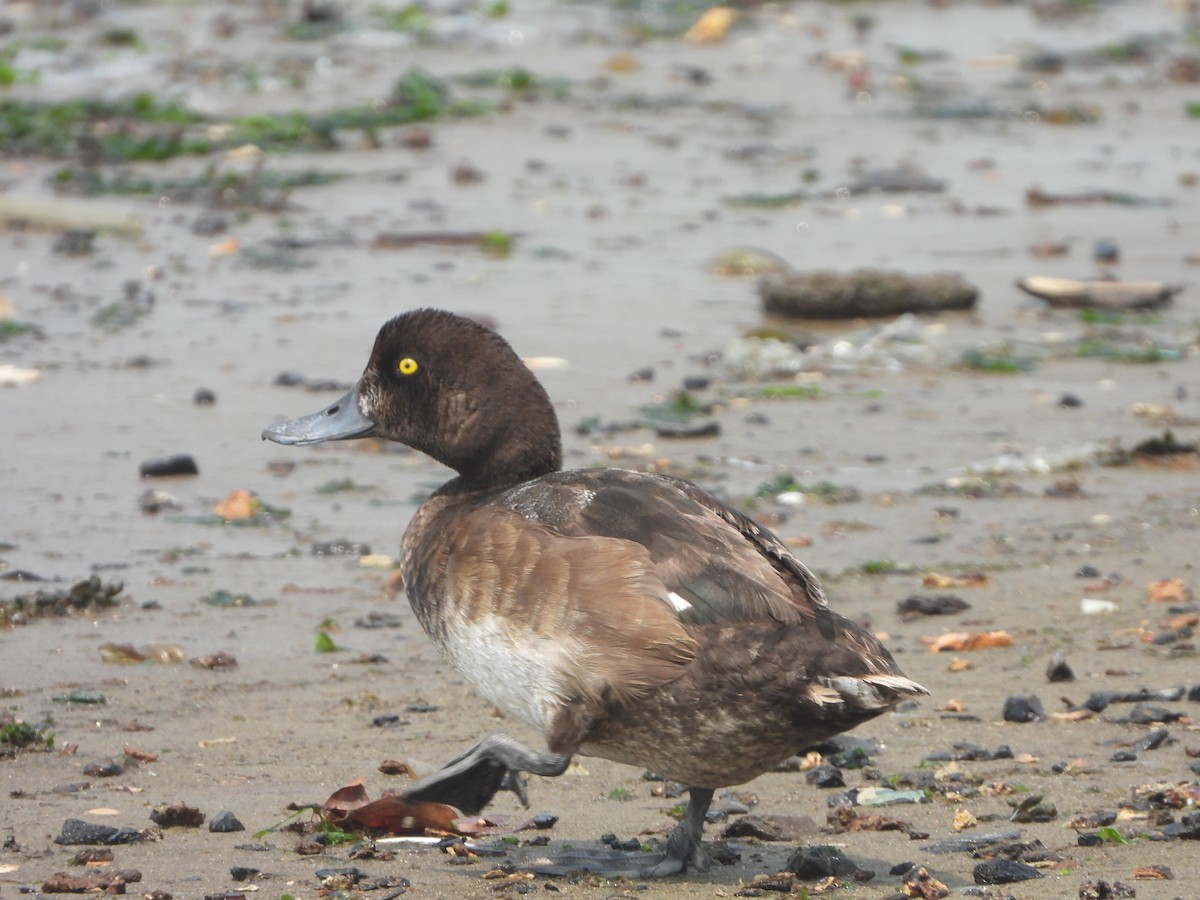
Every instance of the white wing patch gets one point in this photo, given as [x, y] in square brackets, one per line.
[678, 602]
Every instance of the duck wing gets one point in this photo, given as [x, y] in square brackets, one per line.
[717, 565]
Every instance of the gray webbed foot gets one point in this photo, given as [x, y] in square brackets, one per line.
[684, 851]
[470, 781]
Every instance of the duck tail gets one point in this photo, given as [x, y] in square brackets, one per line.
[869, 692]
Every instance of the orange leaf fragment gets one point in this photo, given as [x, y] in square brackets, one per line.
[1169, 590]
[967, 640]
[970, 579]
[239, 504]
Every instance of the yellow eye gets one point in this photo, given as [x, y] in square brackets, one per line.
[407, 366]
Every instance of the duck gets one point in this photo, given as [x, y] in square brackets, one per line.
[626, 615]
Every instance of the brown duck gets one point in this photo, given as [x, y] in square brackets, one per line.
[624, 615]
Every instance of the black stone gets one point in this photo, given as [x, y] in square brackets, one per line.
[544, 820]
[1003, 871]
[1151, 741]
[1124, 756]
[224, 822]
[822, 861]
[78, 832]
[1024, 709]
[1059, 669]
[940, 605]
[204, 397]
[166, 466]
[1087, 571]
[1090, 839]
[244, 873]
[825, 776]
[103, 768]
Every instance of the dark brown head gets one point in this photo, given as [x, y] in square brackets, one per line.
[449, 387]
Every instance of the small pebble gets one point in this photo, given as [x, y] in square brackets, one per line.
[825, 776]
[1069, 401]
[1024, 709]
[1152, 741]
[1124, 756]
[1087, 571]
[204, 397]
[1059, 669]
[162, 467]
[103, 768]
[224, 822]
[1089, 839]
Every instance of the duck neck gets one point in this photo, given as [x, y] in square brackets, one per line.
[524, 445]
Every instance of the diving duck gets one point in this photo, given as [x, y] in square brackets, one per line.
[625, 615]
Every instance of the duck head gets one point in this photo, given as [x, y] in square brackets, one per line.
[451, 388]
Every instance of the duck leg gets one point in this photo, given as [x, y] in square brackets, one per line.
[470, 781]
[684, 847]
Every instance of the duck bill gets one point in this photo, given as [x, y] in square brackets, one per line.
[340, 421]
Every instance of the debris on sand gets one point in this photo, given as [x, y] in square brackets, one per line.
[866, 293]
[89, 594]
[1099, 293]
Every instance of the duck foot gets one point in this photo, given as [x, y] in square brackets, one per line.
[470, 781]
[684, 851]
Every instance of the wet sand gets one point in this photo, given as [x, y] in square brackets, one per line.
[617, 189]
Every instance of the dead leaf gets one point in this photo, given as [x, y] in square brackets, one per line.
[127, 654]
[969, 579]
[239, 504]
[967, 640]
[224, 248]
[392, 815]
[925, 887]
[964, 819]
[958, 664]
[140, 755]
[1157, 872]
[216, 662]
[1169, 590]
[712, 26]
[346, 799]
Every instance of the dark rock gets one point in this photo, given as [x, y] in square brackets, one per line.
[1124, 756]
[970, 842]
[204, 397]
[707, 429]
[1106, 251]
[1151, 741]
[825, 776]
[1087, 571]
[1069, 401]
[77, 832]
[289, 379]
[340, 548]
[1146, 713]
[386, 719]
[940, 605]
[103, 768]
[74, 242]
[224, 822]
[1089, 839]
[244, 873]
[177, 815]
[1193, 693]
[162, 467]
[1102, 890]
[822, 861]
[866, 292]
[543, 821]
[353, 874]
[1058, 669]
[1024, 709]
[1003, 871]
[696, 382]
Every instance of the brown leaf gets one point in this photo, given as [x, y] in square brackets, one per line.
[93, 882]
[967, 640]
[239, 504]
[970, 579]
[1169, 590]
[1157, 872]
[392, 815]
[140, 755]
[345, 800]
